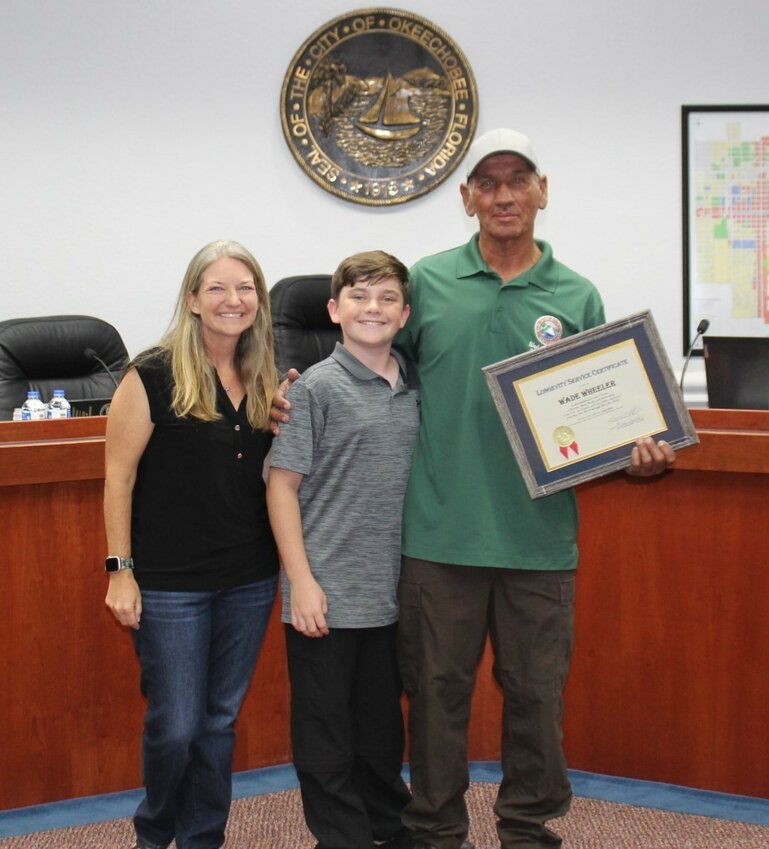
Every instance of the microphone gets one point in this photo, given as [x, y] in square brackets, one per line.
[702, 327]
[90, 354]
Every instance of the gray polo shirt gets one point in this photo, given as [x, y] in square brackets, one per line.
[351, 435]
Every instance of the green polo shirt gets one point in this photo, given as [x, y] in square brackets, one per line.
[466, 501]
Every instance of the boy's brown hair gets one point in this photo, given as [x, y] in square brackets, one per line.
[369, 267]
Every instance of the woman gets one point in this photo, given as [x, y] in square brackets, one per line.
[192, 566]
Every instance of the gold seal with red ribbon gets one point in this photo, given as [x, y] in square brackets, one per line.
[566, 441]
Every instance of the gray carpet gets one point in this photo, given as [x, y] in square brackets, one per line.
[274, 821]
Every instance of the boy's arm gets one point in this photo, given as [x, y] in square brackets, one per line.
[308, 601]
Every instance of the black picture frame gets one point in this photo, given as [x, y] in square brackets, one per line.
[714, 125]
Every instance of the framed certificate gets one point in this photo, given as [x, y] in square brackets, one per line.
[573, 409]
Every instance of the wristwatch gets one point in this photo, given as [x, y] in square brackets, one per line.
[118, 564]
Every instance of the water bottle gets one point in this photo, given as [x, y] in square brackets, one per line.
[33, 408]
[58, 407]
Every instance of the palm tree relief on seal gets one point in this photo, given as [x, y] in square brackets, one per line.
[378, 107]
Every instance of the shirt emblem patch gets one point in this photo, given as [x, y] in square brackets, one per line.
[547, 329]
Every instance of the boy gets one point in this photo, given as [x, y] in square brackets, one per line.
[335, 497]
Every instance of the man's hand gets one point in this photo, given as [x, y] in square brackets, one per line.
[280, 404]
[650, 458]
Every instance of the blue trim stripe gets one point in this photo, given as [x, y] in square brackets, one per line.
[627, 791]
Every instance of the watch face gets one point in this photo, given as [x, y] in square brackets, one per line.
[117, 564]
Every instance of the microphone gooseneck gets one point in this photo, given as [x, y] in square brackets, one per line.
[92, 355]
[702, 327]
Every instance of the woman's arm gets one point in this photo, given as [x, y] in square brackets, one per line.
[129, 428]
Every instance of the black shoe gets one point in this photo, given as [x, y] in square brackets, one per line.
[420, 844]
[400, 840]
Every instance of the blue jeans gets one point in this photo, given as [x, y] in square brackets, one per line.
[197, 652]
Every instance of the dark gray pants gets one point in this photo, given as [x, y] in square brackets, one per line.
[446, 614]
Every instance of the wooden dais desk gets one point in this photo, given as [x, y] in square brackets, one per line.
[669, 677]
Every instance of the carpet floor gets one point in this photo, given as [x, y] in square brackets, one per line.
[274, 821]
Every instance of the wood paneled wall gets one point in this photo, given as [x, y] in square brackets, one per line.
[669, 677]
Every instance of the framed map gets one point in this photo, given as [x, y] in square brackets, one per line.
[726, 220]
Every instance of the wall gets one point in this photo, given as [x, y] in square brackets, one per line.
[134, 132]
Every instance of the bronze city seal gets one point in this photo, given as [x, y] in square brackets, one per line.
[379, 106]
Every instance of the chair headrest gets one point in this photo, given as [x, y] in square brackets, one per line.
[49, 352]
[303, 330]
[301, 301]
[54, 346]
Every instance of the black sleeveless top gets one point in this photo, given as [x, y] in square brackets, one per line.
[199, 515]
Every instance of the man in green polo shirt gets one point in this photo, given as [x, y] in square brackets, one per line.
[480, 556]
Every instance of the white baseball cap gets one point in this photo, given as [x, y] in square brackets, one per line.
[500, 141]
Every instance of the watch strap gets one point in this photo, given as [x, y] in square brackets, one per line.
[118, 564]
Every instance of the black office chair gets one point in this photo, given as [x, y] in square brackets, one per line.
[304, 333]
[49, 353]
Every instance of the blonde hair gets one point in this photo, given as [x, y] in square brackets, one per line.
[194, 376]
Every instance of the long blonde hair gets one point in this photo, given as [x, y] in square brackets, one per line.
[194, 376]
